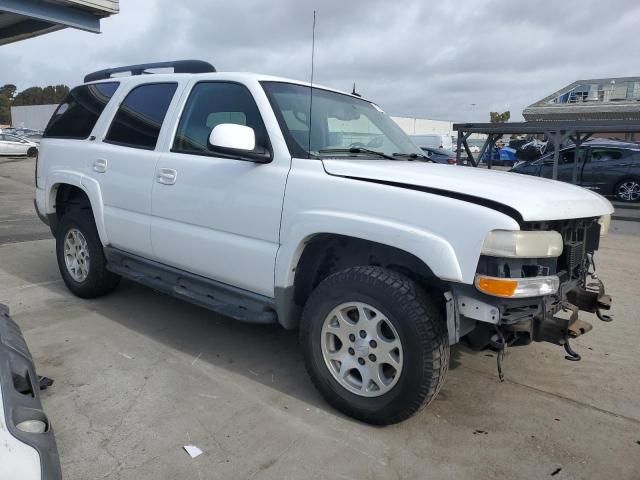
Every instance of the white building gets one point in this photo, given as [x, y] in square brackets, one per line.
[424, 126]
[35, 117]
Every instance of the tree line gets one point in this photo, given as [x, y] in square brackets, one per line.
[10, 97]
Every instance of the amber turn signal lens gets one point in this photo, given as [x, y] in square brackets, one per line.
[499, 287]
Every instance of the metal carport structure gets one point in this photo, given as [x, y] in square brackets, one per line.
[557, 131]
[21, 19]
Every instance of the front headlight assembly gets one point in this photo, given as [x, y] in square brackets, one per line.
[605, 223]
[522, 244]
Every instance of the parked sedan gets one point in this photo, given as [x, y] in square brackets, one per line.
[609, 167]
[15, 146]
[439, 155]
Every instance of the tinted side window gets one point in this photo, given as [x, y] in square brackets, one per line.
[605, 154]
[76, 116]
[568, 156]
[213, 103]
[138, 120]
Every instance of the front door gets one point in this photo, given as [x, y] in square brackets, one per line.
[566, 162]
[218, 215]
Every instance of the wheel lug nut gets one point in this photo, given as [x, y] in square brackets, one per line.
[363, 334]
[361, 361]
[373, 344]
[351, 351]
[372, 357]
[352, 337]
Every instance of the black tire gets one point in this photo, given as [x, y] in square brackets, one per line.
[420, 322]
[99, 281]
[618, 194]
[32, 152]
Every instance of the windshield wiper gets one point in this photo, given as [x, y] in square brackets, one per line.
[356, 150]
[413, 156]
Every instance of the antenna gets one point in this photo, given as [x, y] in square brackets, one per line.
[353, 92]
[313, 49]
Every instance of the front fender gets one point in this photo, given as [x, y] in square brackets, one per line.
[433, 250]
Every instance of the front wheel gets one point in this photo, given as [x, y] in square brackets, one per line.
[374, 344]
[628, 190]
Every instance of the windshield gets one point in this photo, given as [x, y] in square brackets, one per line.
[341, 125]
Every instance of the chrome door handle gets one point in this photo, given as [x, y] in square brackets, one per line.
[100, 165]
[167, 176]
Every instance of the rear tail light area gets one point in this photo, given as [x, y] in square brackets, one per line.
[452, 161]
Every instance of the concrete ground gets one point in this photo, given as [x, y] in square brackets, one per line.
[138, 375]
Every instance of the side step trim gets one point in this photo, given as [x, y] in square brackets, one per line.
[219, 297]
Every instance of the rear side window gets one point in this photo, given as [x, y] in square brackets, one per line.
[76, 116]
[605, 154]
[214, 103]
[138, 120]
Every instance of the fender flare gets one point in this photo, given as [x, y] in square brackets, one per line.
[88, 185]
[431, 249]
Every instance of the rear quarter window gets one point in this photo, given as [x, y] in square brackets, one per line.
[76, 116]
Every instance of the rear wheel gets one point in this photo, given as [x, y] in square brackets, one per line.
[628, 190]
[374, 344]
[80, 256]
[32, 152]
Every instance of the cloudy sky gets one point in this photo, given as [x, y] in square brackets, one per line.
[451, 60]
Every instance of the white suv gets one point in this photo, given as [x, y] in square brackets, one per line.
[271, 201]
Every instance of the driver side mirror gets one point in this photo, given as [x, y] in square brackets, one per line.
[240, 140]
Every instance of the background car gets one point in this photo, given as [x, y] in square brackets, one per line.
[609, 167]
[505, 156]
[12, 145]
[440, 156]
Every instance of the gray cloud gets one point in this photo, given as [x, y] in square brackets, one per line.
[427, 59]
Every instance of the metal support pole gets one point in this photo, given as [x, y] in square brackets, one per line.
[492, 141]
[578, 161]
[484, 147]
[557, 138]
[459, 147]
[468, 150]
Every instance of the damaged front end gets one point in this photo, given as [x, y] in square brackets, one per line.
[518, 299]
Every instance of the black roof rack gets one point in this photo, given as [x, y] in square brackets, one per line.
[179, 66]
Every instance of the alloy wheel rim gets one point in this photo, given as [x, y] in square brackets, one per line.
[362, 349]
[76, 255]
[629, 190]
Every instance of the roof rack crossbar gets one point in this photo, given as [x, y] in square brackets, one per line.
[179, 66]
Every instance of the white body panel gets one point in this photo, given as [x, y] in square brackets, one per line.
[221, 217]
[533, 197]
[17, 460]
[446, 234]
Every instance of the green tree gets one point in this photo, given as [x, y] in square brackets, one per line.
[51, 94]
[496, 117]
[6, 96]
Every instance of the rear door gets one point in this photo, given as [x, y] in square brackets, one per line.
[566, 161]
[605, 168]
[124, 164]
